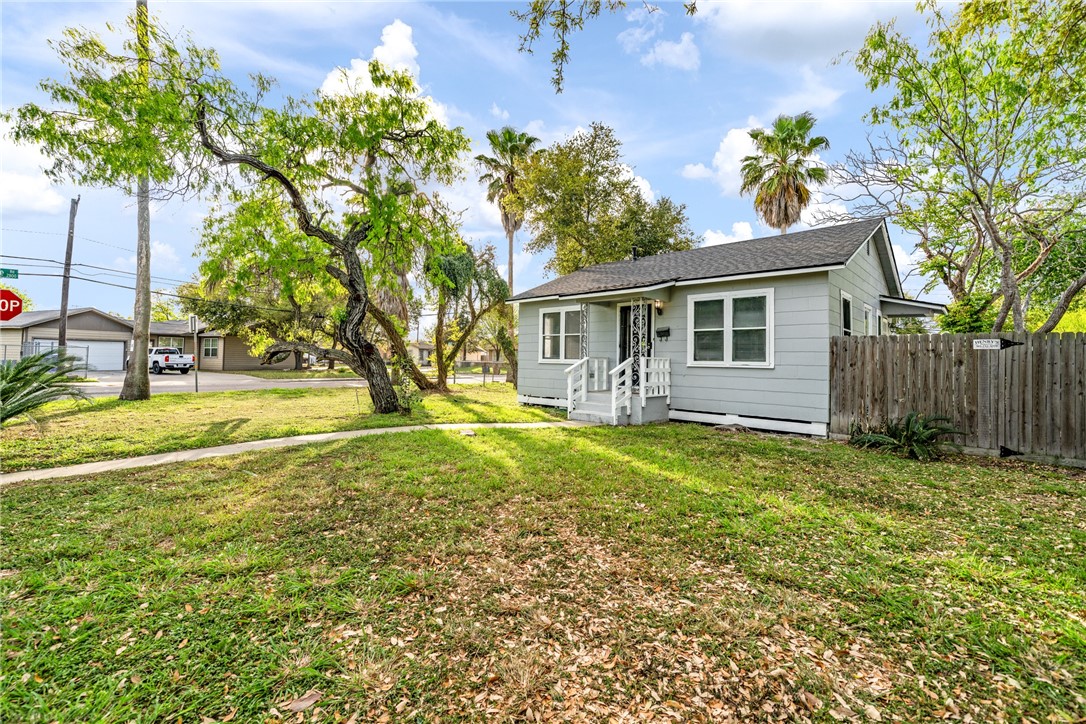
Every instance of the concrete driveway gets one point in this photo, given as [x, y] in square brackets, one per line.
[109, 383]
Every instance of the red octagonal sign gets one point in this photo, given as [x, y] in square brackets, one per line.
[11, 305]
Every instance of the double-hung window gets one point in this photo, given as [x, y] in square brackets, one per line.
[560, 334]
[846, 314]
[731, 330]
[211, 347]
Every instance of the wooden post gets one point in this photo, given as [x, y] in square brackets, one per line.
[62, 329]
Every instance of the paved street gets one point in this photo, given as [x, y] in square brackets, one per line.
[109, 383]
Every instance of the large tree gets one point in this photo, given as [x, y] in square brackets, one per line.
[509, 149]
[119, 120]
[582, 204]
[981, 150]
[780, 172]
[377, 146]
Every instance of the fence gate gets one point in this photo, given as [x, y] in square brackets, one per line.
[1026, 396]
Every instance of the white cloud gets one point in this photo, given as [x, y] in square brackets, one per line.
[683, 55]
[787, 32]
[814, 95]
[647, 25]
[696, 171]
[396, 51]
[727, 160]
[819, 207]
[164, 260]
[24, 187]
[741, 231]
[498, 112]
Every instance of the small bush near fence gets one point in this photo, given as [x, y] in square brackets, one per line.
[917, 436]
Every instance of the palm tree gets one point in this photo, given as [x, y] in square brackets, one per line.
[510, 148]
[779, 173]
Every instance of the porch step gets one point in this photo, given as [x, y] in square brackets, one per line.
[600, 417]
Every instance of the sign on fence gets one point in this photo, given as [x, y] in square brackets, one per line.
[986, 343]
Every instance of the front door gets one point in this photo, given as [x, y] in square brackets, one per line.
[631, 336]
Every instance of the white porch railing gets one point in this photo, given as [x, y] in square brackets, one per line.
[655, 378]
[621, 387]
[584, 376]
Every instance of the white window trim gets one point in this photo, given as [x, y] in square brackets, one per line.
[869, 321]
[878, 323]
[851, 314]
[561, 334]
[203, 347]
[770, 362]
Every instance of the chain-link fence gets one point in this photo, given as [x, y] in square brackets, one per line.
[13, 352]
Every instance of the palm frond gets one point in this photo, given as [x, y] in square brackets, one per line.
[34, 380]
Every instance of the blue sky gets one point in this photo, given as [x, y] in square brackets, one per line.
[680, 93]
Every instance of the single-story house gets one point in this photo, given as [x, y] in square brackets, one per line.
[104, 340]
[731, 334]
[420, 352]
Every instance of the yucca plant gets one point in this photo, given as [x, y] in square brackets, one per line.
[914, 436]
[29, 383]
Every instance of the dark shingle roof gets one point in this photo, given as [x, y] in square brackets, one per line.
[42, 316]
[824, 246]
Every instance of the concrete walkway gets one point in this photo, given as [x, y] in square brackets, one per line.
[182, 456]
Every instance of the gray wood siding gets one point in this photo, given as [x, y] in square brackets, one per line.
[80, 324]
[863, 278]
[796, 388]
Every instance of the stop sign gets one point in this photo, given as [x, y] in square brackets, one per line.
[11, 305]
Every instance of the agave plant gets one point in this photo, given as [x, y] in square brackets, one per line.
[30, 382]
[914, 436]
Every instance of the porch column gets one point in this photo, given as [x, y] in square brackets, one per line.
[584, 330]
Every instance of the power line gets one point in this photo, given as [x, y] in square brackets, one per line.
[78, 236]
[91, 266]
[163, 293]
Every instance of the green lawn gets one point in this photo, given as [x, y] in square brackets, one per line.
[671, 571]
[104, 429]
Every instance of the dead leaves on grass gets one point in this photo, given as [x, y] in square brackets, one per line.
[556, 625]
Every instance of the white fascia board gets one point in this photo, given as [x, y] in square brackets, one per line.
[918, 303]
[761, 275]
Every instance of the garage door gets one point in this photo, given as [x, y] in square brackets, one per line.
[99, 355]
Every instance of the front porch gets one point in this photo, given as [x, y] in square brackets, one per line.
[635, 392]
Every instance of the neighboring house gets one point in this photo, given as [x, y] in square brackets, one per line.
[420, 352]
[731, 334]
[101, 338]
[104, 340]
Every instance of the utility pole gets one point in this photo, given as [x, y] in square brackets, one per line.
[62, 332]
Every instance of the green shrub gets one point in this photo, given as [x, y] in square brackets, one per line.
[914, 436]
[30, 382]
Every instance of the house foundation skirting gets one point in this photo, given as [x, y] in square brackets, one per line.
[544, 401]
[814, 429]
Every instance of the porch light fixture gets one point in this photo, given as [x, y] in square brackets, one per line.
[659, 304]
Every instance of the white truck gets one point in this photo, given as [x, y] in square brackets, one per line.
[160, 359]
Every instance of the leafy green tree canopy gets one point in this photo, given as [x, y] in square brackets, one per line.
[581, 203]
[982, 148]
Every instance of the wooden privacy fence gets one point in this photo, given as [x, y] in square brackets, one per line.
[1028, 398]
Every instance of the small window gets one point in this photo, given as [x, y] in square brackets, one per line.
[731, 330]
[846, 314]
[869, 320]
[560, 335]
[211, 347]
[881, 323]
[178, 342]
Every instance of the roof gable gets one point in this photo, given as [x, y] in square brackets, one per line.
[819, 248]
